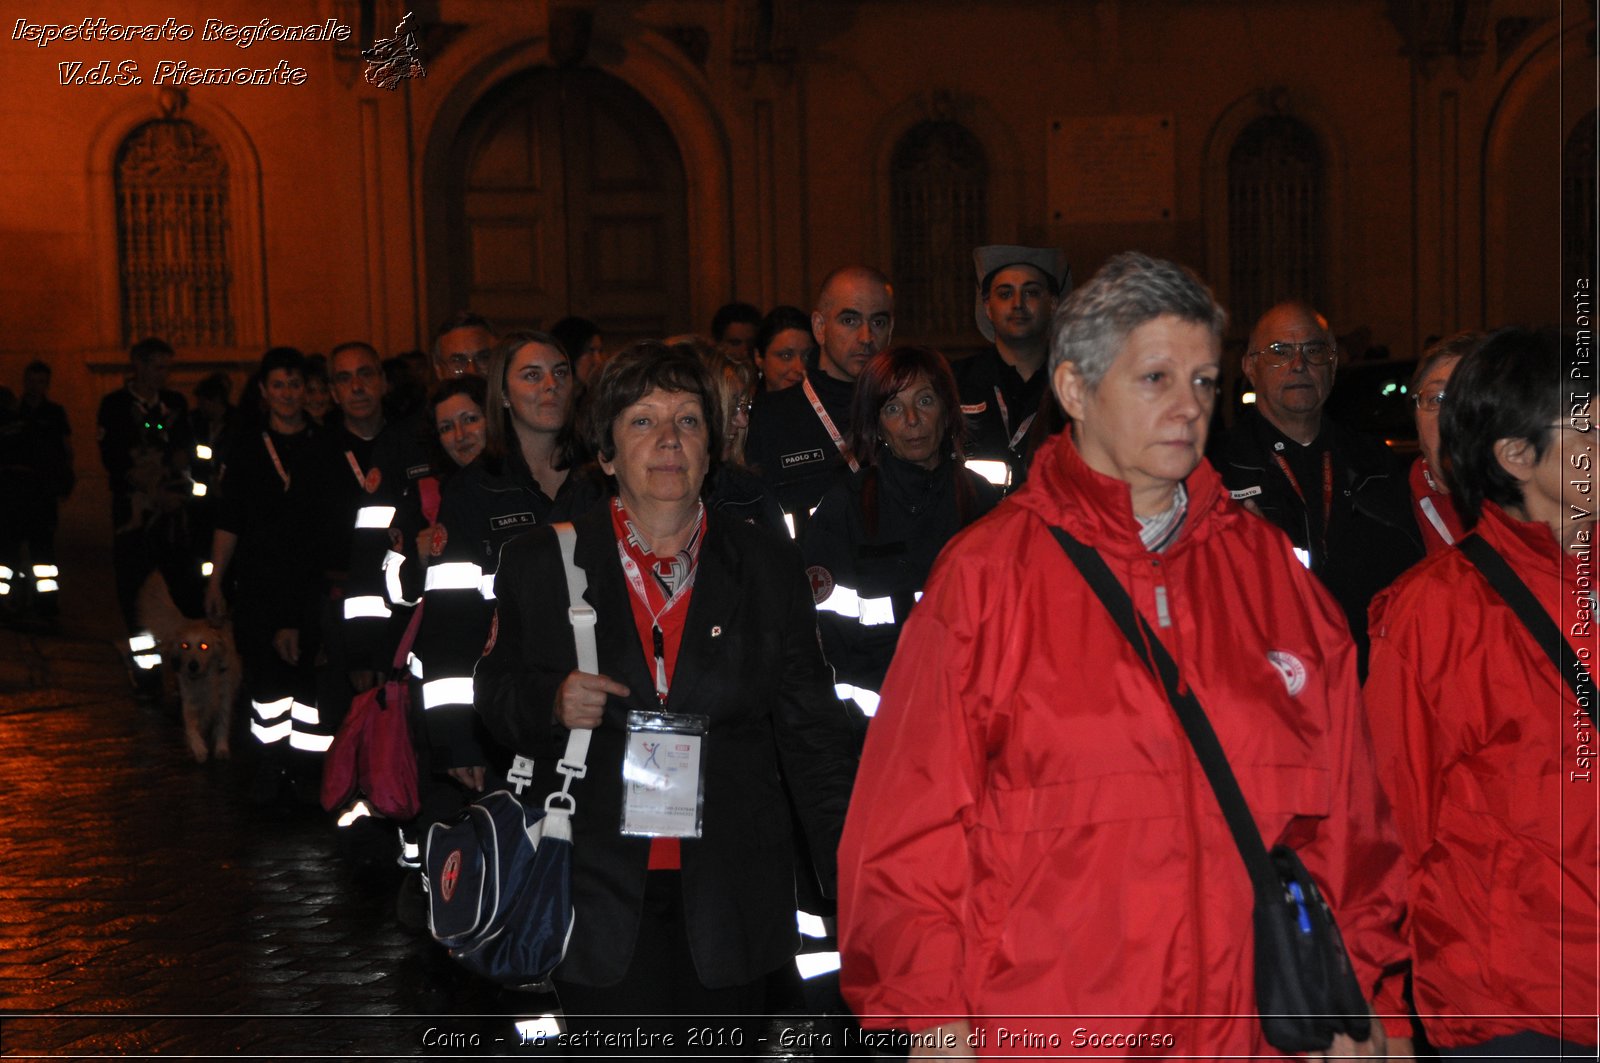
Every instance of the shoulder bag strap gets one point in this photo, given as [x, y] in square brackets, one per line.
[1516, 594]
[582, 617]
[1246, 835]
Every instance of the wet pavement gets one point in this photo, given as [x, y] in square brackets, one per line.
[149, 909]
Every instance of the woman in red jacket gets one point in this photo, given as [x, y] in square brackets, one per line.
[1031, 837]
[1486, 751]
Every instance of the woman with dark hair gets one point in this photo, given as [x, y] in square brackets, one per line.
[319, 398]
[1479, 736]
[706, 638]
[268, 555]
[1430, 497]
[784, 347]
[873, 538]
[525, 476]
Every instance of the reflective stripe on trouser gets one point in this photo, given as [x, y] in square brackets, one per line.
[44, 579]
[142, 647]
[287, 719]
[6, 576]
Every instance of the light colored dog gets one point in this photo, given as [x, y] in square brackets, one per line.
[206, 663]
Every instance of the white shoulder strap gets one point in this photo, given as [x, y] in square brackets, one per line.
[581, 615]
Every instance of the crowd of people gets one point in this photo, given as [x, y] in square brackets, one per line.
[900, 615]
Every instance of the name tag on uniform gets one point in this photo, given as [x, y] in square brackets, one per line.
[417, 472]
[1245, 492]
[802, 457]
[663, 775]
[973, 411]
[511, 520]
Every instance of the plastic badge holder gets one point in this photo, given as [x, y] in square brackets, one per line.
[663, 775]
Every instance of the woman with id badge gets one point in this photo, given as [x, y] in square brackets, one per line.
[714, 708]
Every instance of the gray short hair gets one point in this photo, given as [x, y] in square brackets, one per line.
[1093, 323]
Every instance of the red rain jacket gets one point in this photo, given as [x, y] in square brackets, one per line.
[1031, 833]
[1491, 768]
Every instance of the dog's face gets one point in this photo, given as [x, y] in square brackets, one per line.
[199, 649]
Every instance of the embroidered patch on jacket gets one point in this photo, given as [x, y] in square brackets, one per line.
[821, 583]
[973, 411]
[1245, 492]
[1291, 668]
[801, 457]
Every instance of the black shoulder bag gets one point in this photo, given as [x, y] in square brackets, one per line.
[1516, 594]
[1306, 991]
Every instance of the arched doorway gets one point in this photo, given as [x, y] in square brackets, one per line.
[566, 196]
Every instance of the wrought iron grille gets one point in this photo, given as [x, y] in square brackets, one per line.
[1275, 190]
[939, 212]
[172, 228]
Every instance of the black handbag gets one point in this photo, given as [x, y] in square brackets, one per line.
[1306, 991]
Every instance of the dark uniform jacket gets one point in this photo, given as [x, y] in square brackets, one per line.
[749, 661]
[999, 407]
[481, 509]
[1371, 536]
[917, 515]
[791, 450]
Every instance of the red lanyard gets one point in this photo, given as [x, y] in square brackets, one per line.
[635, 558]
[1327, 490]
[827, 422]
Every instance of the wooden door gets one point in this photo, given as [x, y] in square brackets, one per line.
[570, 201]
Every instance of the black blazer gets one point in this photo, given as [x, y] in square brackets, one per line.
[752, 663]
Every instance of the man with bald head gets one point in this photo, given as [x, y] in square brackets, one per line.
[796, 440]
[1341, 496]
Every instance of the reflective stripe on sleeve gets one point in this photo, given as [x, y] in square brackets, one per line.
[867, 699]
[846, 602]
[996, 472]
[392, 564]
[454, 576]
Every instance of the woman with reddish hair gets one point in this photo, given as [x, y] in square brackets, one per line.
[874, 536]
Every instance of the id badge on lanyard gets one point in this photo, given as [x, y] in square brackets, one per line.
[663, 775]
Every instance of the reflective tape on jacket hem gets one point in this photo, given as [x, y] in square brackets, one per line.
[374, 516]
[270, 734]
[454, 576]
[309, 742]
[454, 690]
[366, 606]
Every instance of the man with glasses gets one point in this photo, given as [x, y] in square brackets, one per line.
[461, 345]
[1340, 495]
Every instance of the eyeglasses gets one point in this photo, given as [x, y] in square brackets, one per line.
[742, 406]
[1428, 401]
[460, 363]
[1313, 352]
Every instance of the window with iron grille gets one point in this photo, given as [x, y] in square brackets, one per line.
[1579, 230]
[1275, 190]
[172, 235]
[939, 212]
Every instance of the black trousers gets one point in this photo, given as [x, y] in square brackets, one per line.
[660, 1009]
[1516, 1047]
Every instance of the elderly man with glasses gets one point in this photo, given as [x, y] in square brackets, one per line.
[1341, 496]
